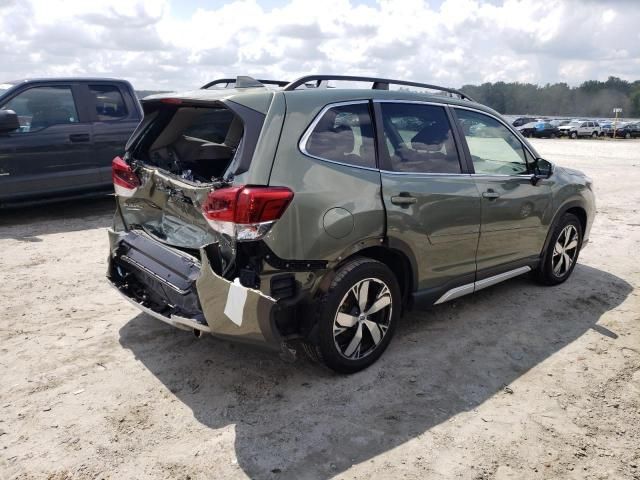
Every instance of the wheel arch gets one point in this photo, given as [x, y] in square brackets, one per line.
[574, 207]
[396, 260]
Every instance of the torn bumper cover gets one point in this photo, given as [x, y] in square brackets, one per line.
[187, 293]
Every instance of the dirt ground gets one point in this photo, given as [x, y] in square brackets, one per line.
[515, 382]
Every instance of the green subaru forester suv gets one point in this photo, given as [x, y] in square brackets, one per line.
[311, 216]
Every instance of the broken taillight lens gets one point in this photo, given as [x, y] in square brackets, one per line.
[125, 181]
[246, 213]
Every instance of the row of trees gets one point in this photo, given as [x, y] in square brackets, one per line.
[592, 98]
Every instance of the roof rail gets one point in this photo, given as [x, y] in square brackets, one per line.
[244, 82]
[378, 83]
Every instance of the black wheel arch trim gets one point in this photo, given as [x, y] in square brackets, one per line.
[564, 208]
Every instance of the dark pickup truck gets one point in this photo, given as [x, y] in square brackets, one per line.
[59, 136]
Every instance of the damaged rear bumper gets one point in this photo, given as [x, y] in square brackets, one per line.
[186, 292]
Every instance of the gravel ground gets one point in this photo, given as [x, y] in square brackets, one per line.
[515, 382]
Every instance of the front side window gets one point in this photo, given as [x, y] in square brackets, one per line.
[109, 102]
[494, 149]
[419, 138]
[42, 107]
[344, 134]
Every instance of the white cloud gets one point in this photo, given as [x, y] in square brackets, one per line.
[456, 42]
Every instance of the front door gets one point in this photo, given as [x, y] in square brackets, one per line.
[513, 209]
[432, 203]
[51, 152]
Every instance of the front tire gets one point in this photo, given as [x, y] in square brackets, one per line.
[356, 317]
[562, 252]
[573, 135]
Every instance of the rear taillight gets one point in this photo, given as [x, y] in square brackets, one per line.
[246, 213]
[125, 181]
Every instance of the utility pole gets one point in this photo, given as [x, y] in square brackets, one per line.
[615, 122]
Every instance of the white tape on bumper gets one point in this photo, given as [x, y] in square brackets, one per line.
[236, 298]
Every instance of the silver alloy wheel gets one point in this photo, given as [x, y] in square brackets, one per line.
[362, 319]
[565, 251]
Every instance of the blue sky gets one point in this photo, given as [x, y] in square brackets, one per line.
[165, 44]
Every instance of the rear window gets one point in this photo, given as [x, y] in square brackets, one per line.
[109, 102]
[196, 143]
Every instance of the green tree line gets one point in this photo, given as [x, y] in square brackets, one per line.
[592, 98]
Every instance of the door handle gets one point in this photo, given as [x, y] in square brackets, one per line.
[79, 137]
[490, 194]
[404, 199]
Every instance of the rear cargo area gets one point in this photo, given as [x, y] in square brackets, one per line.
[194, 143]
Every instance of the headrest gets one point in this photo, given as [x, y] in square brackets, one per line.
[332, 143]
[434, 134]
[344, 140]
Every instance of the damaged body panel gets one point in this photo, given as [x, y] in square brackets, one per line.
[187, 293]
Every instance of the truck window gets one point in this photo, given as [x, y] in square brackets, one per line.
[109, 102]
[42, 107]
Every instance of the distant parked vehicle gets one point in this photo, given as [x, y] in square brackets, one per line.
[539, 130]
[58, 136]
[580, 128]
[606, 129]
[629, 130]
[520, 121]
[559, 122]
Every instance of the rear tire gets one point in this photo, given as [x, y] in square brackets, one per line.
[594, 135]
[356, 317]
[627, 135]
[561, 255]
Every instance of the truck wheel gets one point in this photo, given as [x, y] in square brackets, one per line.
[627, 135]
[573, 135]
[561, 255]
[357, 316]
[594, 135]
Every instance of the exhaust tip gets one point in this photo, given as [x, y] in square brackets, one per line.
[197, 333]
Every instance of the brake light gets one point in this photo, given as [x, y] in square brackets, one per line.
[125, 181]
[246, 213]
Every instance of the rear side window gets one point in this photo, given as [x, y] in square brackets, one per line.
[344, 134]
[42, 107]
[419, 138]
[109, 102]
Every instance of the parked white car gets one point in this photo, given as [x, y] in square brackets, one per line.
[581, 128]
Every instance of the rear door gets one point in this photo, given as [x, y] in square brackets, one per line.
[432, 203]
[513, 209]
[114, 116]
[52, 152]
